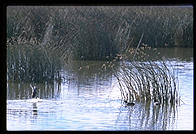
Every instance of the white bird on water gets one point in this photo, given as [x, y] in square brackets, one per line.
[34, 94]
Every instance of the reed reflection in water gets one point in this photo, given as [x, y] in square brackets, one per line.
[148, 117]
[23, 91]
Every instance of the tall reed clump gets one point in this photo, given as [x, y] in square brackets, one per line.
[30, 62]
[146, 80]
[31, 54]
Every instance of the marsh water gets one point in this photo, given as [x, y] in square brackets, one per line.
[88, 98]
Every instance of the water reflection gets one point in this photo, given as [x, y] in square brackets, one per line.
[147, 116]
[180, 54]
[35, 109]
[23, 91]
[87, 76]
[87, 72]
[177, 54]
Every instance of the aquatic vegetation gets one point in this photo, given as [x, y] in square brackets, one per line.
[145, 80]
[31, 63]
[101, 32]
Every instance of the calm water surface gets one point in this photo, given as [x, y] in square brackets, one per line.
[89, 99]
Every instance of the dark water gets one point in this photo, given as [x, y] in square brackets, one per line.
[89, 99]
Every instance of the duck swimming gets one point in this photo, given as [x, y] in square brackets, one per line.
[129, 103]
[156, 103]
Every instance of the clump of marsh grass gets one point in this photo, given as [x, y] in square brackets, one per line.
[30, 62]
[141, 79]
[146, 81]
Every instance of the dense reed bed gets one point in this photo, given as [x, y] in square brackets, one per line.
[100, 32]
[31, 63]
